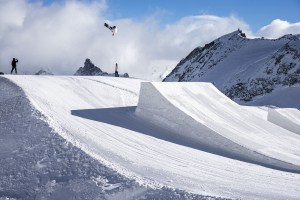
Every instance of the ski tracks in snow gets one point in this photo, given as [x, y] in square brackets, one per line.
[174, 165]
[37, 163]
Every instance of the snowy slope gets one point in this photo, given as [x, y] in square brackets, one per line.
[138, 133]
[37, 163]
[243, 68]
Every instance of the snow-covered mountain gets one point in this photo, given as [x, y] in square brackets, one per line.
[243, 69]
[89, 69]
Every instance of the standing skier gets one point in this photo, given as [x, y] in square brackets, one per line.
[14, 65]
[116, 70]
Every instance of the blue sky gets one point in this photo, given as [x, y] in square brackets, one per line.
[257, 13]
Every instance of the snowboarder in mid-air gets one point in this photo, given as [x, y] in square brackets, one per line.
[14, 65]
[112, 28]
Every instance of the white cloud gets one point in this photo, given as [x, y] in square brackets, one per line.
[59, 37]
[278, 28]
[12, 14]
[52, 37]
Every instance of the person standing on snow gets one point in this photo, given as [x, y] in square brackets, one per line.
[14, 65]
[116, 70]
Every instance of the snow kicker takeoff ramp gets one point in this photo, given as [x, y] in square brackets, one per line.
[109, 119]
[206, 119]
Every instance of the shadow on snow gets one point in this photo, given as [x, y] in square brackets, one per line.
[194, 136]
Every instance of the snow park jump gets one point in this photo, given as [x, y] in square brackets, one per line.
[193, 139]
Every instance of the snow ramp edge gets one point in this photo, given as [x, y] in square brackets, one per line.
[184, 130]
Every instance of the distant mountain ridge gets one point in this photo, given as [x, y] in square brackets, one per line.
[243, 68]
[89, 69]
[43, 72]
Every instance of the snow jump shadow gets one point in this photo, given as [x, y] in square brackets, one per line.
[125, 117]
[202, 138]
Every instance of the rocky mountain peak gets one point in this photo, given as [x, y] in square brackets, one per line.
[89, 65]
[89, 69]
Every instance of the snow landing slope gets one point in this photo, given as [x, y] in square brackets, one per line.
[187, 136]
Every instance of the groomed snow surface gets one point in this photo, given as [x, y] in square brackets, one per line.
[117, 138]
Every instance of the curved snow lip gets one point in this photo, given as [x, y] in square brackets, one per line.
[167, 122]
[200, 129]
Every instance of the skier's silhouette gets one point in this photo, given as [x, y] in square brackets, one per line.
[116, 70]
[14, 65]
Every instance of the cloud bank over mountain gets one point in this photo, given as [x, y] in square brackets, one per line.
[278, 28]
[60, 36]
